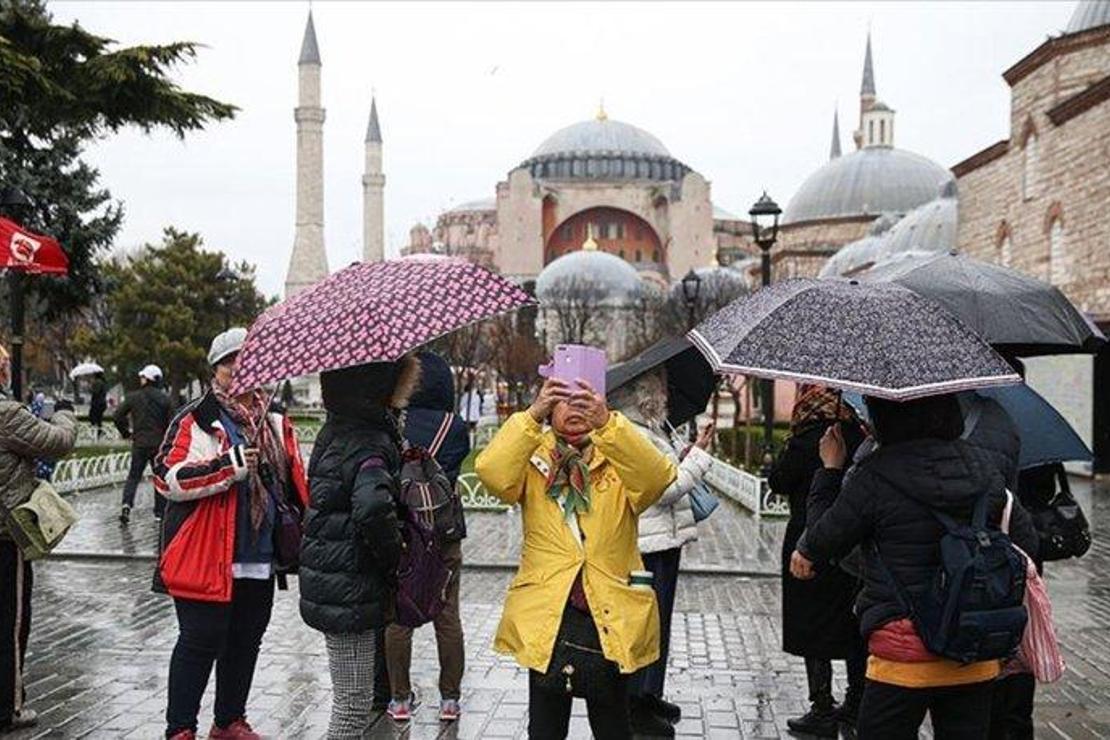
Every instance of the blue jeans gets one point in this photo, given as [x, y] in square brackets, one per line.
[648, 681]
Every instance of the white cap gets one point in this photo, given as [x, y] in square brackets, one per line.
[227, 343]
[151, 373]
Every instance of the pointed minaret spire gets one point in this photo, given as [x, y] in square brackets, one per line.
[310, 52]
[834, 150]
[373, 187]
[374, 129]
[867, 86]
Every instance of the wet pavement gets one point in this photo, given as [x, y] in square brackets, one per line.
[101, 640]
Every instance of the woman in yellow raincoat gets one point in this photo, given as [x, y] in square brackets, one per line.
[581, 486]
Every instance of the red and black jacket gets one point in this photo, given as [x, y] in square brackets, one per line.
[196, 469]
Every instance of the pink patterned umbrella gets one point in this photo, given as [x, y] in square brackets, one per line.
[371, 312]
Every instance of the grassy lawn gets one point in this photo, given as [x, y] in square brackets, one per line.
[96, 450]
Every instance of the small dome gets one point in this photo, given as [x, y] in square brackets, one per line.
[867, 182]
[853, 256]
[1089, 14]
[482, 204]
[590, 269]
[602, 135]
[929, 228]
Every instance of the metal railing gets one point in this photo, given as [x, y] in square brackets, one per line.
[83, 473]
[746, 489]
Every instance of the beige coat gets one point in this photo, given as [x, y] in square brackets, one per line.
[24, 437]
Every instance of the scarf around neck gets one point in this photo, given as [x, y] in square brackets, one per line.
[570, 475]
[250, 414]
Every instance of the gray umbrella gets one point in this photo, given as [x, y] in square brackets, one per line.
[877, 339]
[1014, 312]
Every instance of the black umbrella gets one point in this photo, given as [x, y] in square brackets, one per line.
[1014, 312]
[690, 379]
[879, 339]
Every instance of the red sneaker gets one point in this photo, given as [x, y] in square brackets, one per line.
[184, 735]
[237, 730]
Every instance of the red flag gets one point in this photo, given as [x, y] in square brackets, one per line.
[29, 252]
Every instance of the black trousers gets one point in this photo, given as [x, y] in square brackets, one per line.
[228, 635]
[549, 713]
[140, 458]
[895, 713]
[1012, 707]
[15, 627]
[819, 677]
[649, 681]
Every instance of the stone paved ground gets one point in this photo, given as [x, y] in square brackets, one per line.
[101, 641]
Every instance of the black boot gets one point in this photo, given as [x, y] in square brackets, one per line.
[647, 722]
[819, 720]
[665, 709]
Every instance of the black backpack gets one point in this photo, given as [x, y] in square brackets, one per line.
[973, 609]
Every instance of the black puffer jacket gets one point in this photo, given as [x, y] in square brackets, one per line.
[352, 540]
[886, 499]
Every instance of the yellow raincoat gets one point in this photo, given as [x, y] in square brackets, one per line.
[627, 475]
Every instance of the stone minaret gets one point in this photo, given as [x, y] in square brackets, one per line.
[373, 183]
[866, 92]
[834, 149]
[309, 262]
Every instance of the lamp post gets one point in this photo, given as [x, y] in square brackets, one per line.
[14, 202]
[765, 231]
[227, 278]
[691, 287]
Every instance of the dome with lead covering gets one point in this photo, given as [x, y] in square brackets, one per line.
[591, 274]
[604, 149]
[929, 228]
[867, 182]
[1089, 14]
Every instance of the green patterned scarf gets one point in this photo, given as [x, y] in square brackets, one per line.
[571, 475]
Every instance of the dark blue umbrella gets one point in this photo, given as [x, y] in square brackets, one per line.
[1046, 436]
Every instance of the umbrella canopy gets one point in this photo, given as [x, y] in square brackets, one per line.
[370, 312]
[690, 379]
[85, 368]
[1014, 312]
[1046, 436]
[875, 338]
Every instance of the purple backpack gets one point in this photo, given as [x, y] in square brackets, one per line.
[422, 575]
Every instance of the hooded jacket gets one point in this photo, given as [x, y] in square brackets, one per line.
[886, 499]
[352, 537]
[428, 407]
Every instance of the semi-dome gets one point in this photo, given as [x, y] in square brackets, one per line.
[604, 149]
[929, 228]
[482, 204]
[589, 270]
[867, 182]
[853, 256]
[1089, 14]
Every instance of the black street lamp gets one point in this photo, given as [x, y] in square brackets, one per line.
[691, 287]
[14, 202]
[227, 278]
[765, 231]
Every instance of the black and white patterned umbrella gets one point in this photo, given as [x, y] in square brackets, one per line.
[879, 339]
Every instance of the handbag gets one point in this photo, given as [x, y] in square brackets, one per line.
[702, 501]
[1061, 524]
[578, 665]
[39, 524]
[288, 530]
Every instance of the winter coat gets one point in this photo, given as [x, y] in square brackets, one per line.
[144, 416]
[23, 438]
[885, 500]
[352, 536]
[98, 400]
[669, 522]
[817, 617]
[627, 475]
[196, 469]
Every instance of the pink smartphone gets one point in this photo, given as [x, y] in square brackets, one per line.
[573, 361]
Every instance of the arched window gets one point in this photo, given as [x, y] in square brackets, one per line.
[871, 131]
[882, 130]
[655, 255]
[1006, 251]
[1029, 166]
[1057, 253]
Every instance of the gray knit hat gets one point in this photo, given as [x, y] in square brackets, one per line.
[227, 343]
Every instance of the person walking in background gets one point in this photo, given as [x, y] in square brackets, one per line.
[664, 529]
[818, 623]
[229, 469]
[470, 405]
[429, 423]
[24, 438]
[352, 540]
[143, 417]
[889, 501]
[98, 403]
[574, 603]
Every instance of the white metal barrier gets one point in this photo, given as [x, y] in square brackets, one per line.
[87, 434]
[746, 489]
[82, 473]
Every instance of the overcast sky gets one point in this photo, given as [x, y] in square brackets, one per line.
[744, 93]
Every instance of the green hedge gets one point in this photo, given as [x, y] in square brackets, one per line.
[731, 445]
